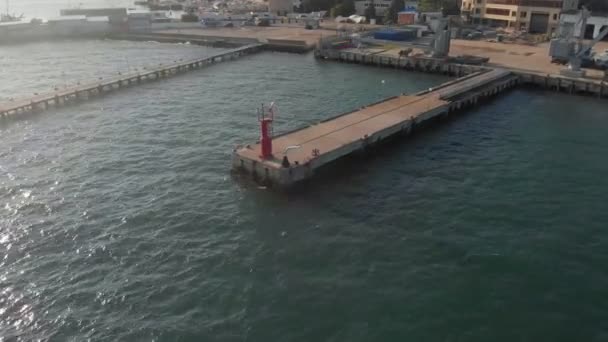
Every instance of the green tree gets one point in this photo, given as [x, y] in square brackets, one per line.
[343, 8]
[393, 10]
[446, 6]
[429, 5]
[595, 5]
[336, 11]
[317, 5]
[370, 11]
[348, 7]
[450, 7]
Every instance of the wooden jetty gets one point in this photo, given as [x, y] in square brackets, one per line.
[106, 85]
[296, 155]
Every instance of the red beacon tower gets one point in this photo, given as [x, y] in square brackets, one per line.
[266, 116]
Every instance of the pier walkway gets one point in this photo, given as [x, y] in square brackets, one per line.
[312, 147]
[102, 86]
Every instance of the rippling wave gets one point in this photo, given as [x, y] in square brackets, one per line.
[119, 221]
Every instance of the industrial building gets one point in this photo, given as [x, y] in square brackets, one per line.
[533, 16]
[140, 21]
[116, 16]
[280, 7]
[54, 28]
[595, 23]
[380, 5]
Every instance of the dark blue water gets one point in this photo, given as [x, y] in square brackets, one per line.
[119, 220]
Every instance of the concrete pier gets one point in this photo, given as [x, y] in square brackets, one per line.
[308, 149]
[202, 37]
[411, 63]
[564, 84]
[554, 82]
[103, 86]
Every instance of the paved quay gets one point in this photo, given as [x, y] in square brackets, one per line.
[299, 153]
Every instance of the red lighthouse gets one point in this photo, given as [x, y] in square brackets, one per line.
[266, 116]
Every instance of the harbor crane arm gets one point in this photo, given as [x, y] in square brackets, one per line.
[599, 37]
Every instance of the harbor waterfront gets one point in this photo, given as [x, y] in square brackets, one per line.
[270, 161]
[246, 45]
[120, 221]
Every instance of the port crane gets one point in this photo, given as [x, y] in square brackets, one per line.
[7, 17]
[571, 46]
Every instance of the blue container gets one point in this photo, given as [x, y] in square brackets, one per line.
[394, 35]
